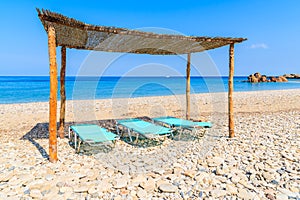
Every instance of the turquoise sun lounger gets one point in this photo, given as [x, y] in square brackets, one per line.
[91, 134]
[181, 124]
[143, 128]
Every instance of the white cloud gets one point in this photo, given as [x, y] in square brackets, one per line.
[259, 46]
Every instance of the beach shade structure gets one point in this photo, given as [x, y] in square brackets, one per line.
[142, 128]
[182, 124]
[70, 33]
[90, 134]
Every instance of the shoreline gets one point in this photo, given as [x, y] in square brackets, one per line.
[203, 107]
[122, 98]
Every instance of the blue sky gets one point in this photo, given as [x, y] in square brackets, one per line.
[272, 29]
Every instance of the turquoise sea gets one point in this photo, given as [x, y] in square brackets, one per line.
[23, 89]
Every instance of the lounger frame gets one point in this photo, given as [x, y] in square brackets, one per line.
[78, 141]
[181, 128]
[131, 131]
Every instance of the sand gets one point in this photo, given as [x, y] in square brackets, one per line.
[202, 105]
[261, 162]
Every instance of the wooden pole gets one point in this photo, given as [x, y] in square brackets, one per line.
[230, 91]
[188, 86]
[62, 93]
[53, 95]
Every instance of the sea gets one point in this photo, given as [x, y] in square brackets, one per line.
[25, 89]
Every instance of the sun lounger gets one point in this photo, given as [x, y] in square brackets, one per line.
[143, 128]
[181, 124]
[91, 134]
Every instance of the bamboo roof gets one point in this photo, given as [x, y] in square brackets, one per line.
[72, 33]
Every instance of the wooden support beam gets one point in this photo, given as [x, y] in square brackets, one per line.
[53, 95]
[230, 91]
[61, 129]
[188, 86]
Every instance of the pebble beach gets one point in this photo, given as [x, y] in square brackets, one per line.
[262, 161]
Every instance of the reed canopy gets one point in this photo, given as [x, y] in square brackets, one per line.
[71, 33]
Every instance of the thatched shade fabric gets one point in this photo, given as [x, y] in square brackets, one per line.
[72, 33]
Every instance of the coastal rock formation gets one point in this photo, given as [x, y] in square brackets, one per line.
[292, 76]
[264, 78]
[257, 78]
[252, 79]
[282, 79]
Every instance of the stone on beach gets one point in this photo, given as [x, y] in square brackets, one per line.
[217, 193]
[190, 173]
[36, 194]
[232, 190]
[138, 179]
[81, 188]
[148, 185]
[260, 162]
[120, 183]
[4, 177]
[215, 161]
[141, 193]
[168, 188]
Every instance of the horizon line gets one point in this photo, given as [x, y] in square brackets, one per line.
[123, 76]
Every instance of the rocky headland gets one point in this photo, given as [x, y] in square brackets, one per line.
[292, 76]
[258, 78]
